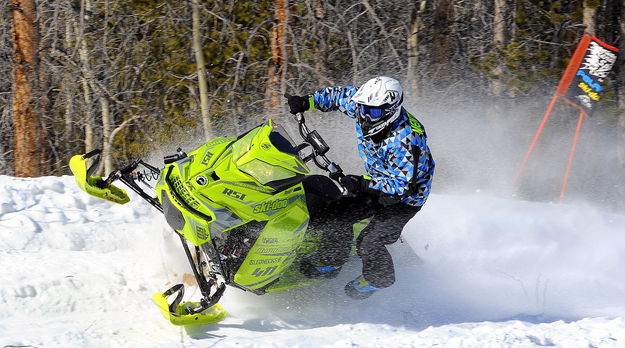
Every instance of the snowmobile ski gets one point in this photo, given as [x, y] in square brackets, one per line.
[182, 313]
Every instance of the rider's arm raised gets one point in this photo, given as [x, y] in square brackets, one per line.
[335, 98]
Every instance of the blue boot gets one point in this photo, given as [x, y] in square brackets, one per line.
[309, 270]
[359, 288]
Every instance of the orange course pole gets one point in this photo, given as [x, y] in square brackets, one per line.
[565, 181]
[517, 177]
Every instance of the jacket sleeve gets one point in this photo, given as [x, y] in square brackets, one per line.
[335, 98]
[422, 181]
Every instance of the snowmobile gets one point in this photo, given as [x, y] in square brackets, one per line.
[238, 205]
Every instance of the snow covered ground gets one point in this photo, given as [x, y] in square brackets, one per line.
[472, 271]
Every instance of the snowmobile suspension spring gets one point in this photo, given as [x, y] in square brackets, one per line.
[145, 175]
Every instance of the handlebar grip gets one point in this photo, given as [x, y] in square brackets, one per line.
[91, 153]
[336, 172]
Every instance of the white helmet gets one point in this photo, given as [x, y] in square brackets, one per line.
[380, 102]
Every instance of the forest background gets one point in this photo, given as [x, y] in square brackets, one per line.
[122, 76]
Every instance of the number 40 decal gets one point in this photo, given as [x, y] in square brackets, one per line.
[262, 272]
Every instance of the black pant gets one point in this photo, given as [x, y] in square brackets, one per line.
[336, 219]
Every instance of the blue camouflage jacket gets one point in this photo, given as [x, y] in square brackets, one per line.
[400, 165]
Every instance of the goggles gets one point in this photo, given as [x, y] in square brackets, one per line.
[372, 113]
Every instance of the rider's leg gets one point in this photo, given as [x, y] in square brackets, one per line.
[335, 225]
[338, 230]
[384, 229]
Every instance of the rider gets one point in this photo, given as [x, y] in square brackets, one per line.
[399, 166]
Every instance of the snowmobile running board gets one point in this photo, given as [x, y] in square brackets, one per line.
[177, 313]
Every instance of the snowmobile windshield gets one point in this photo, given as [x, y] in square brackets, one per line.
[282, 141]
[278, 137]
[265, 172]
[243, 144]
[268, 154]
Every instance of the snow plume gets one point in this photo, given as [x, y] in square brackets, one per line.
[479, 146]
[472, 271]
[519, 258]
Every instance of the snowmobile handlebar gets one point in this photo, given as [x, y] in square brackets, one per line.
[319, 147]
[129, 176]
[113, 176]
[96, 162]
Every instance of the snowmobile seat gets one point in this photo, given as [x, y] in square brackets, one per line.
[320, 192]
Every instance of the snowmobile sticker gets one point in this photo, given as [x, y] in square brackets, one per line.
[201, 232]
[275, 251]
[265, 262]
[207, 157]
[260, 272]
[234, 194]
[271, 205]
[201, 180]
[219, 141]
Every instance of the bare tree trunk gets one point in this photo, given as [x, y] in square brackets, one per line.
[68, 102]
[590, 18]
[201, 69]
[620, 85]
[499, 22]
[83, 53]
[276, 73]
[321, 48]
[69, 113]
[442, 50]
[107, 154]
[355, 61]
[499, 36]
[30, 147]
[413, 45]
[88, 120]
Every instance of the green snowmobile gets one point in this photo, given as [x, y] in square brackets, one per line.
[240, 203]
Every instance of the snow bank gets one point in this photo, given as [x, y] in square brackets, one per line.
[473, 271]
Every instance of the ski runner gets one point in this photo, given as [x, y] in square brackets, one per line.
[393, 145]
